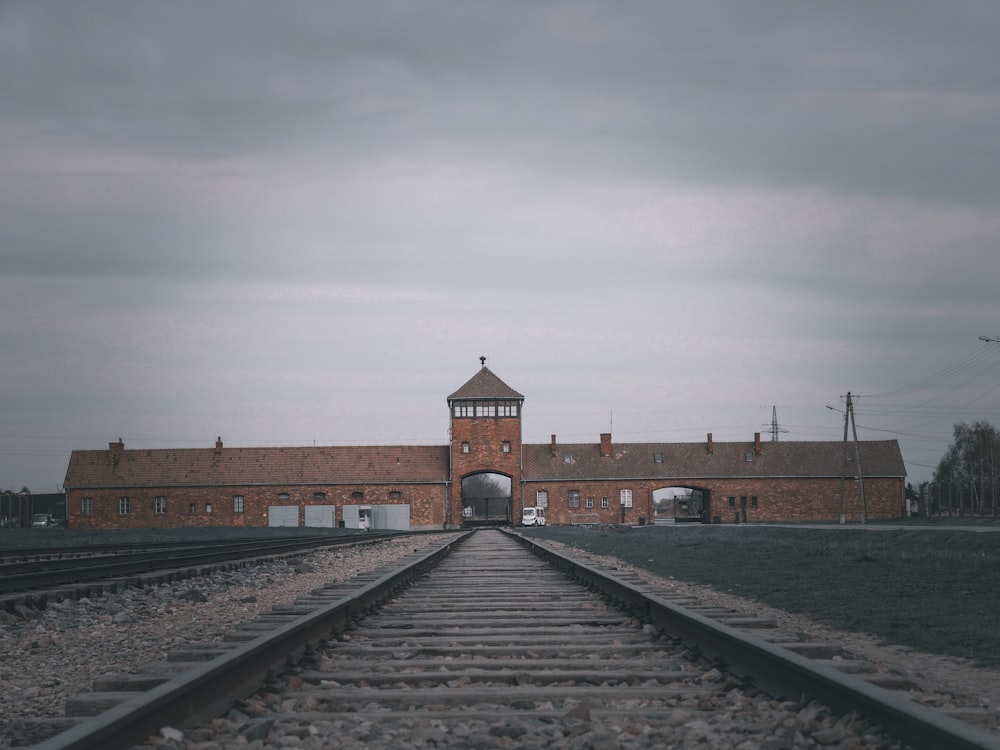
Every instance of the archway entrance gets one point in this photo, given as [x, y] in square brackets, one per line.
[486, 499]
[680, 505]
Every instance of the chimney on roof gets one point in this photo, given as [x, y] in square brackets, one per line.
[756, 443]
[605, 443]
[218, 445]
[115, 451]
[553, 446]
[709, 448]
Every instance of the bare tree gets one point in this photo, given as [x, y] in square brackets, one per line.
[969, 471]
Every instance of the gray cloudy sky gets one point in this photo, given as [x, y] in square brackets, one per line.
[288, 223]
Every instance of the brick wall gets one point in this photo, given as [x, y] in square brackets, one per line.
[560, 512]
[426, 501]
[776, 500]
[485, 438]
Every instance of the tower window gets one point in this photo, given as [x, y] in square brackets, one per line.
[465, 447]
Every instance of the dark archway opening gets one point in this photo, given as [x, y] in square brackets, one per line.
[681, 505]
[486, 499]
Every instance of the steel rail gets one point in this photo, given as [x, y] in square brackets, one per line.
[778, 671]
[63, 571]
[17, 558]
[208, 690]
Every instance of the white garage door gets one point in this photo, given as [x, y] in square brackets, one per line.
[283, 515]
[391, 517]
[320, 516]
[395, 517]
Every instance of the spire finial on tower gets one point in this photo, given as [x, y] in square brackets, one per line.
[482, 361]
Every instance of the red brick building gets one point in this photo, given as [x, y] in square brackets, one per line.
[485, 475]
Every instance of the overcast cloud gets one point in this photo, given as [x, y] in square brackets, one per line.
[288, 223]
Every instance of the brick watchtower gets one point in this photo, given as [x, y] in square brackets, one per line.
[485, 451]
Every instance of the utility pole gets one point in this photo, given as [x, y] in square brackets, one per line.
[849, 415]
[860, 476]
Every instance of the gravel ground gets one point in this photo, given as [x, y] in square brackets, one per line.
[56, 653]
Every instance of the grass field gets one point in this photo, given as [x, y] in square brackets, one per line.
[934, 590]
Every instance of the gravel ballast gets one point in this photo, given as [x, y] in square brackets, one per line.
[53, 654]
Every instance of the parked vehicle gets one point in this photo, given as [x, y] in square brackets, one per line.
[43, 521]
[532, 517]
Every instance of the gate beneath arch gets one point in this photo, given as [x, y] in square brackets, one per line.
[681, 504]
[486, 499]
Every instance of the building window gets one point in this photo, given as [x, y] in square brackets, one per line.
[605, 503]
[590, 502]
[542, 499]
[237, 503]
[357, 496]
[395, 495]
[208, 507]
[160, 505]
[507, 409]
[465, 446]
[486, 410]
[192, 508]
[506, 446]
[753, 501]
[282, 495]
[848, 455]
[574, 499]
[626, 498]
[732, 502]
[87, 506]
[319, 496]
[748, 457]
[568, 458]
[463, 409]
[658, 458]
[124, 506]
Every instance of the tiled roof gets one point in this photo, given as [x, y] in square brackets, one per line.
[484, 384]
[407, 464]
[258, 466]
[583, 461]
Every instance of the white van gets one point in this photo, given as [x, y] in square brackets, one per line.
[532, 517]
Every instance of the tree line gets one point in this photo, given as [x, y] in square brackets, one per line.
[966, 481]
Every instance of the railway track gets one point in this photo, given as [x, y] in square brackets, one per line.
[482, 643]
[36, 577]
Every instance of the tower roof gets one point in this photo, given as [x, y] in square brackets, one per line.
[484, 385]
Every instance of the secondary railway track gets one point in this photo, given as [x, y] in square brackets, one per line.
[480, 643]
[30, 576]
